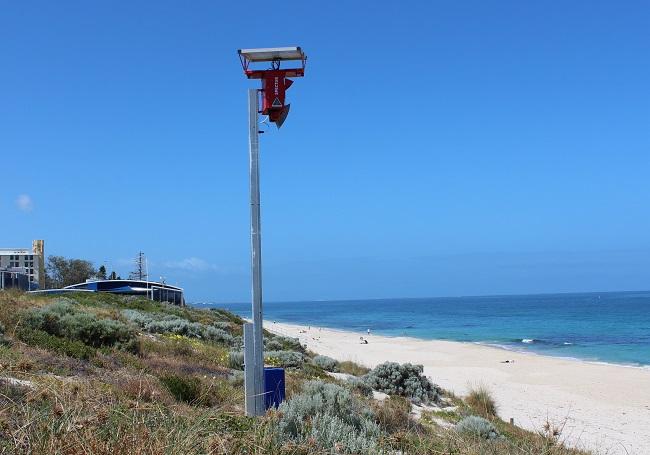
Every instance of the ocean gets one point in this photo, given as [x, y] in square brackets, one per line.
[607, 327]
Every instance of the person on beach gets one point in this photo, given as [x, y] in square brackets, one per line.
[368, 331]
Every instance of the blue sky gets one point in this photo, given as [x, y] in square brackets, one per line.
[433, 148]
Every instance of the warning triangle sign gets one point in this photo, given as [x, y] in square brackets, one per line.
[276, 102]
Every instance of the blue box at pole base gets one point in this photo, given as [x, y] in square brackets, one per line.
[273, 387]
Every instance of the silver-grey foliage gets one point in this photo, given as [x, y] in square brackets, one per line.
[167, 323]
[223, 325]
[477, 426]
[281, 343]
[331, 417]
[63, 319]
[287, 359]
[403, 379]
[326, 363]
[272, 345]
[236, 360]
[359, 385]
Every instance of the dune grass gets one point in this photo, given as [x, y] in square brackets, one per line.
[481, 402]
[64, 392]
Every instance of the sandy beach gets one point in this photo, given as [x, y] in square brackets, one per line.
[601, 407]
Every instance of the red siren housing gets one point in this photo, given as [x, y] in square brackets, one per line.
[275, 81]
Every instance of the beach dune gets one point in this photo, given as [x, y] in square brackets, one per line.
[601, 407]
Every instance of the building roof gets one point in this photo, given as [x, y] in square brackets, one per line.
[132, 283]
[4, 251]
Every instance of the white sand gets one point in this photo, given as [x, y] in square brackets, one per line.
[601, 407]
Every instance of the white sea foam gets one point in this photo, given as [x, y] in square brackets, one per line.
[527, 340]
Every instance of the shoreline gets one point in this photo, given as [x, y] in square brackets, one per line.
[476, 343]
[601, 406]
[529, 352]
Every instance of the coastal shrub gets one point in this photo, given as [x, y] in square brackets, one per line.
[281, 343]
[481, 402]
[218, 335]
[285, 359]
[405, 380]
[65, 320]
[331, 417]
[227, 316]
[311, 371]
[223, 325]
[326, 363]
[272, 345]
[166, 323]
[137, 317]
[41, 339]
[177, 326]
[359, 385]
[332, 432]
[478, 427]
[236, 360]
[290, 344]
[183, 388]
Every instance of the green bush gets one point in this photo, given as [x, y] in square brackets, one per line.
[326, 363]
[166, 323]
[359, 385]
[227, 316]
[405, 380]
[478, 427]
[63, 319]
[41, 339]
[273, 342]
[236, 360]
[285, 359]
[221, 325]
[289, 344]
[183, 388]
[272, 345]
[331, 418]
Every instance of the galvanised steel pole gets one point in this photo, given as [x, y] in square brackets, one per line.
[256, 254]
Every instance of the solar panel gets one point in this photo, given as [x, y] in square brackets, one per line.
[270, 54]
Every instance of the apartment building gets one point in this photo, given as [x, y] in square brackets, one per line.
[28, 261]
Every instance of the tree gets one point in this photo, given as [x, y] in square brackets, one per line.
[101, 273]
[140, 272]
[113, 276]
[61, 272]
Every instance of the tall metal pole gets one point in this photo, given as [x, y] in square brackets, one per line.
[257, 362]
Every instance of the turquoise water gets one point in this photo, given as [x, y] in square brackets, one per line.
[608, 327]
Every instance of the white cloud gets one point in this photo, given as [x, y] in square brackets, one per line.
[24, 203]
[192, 263]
